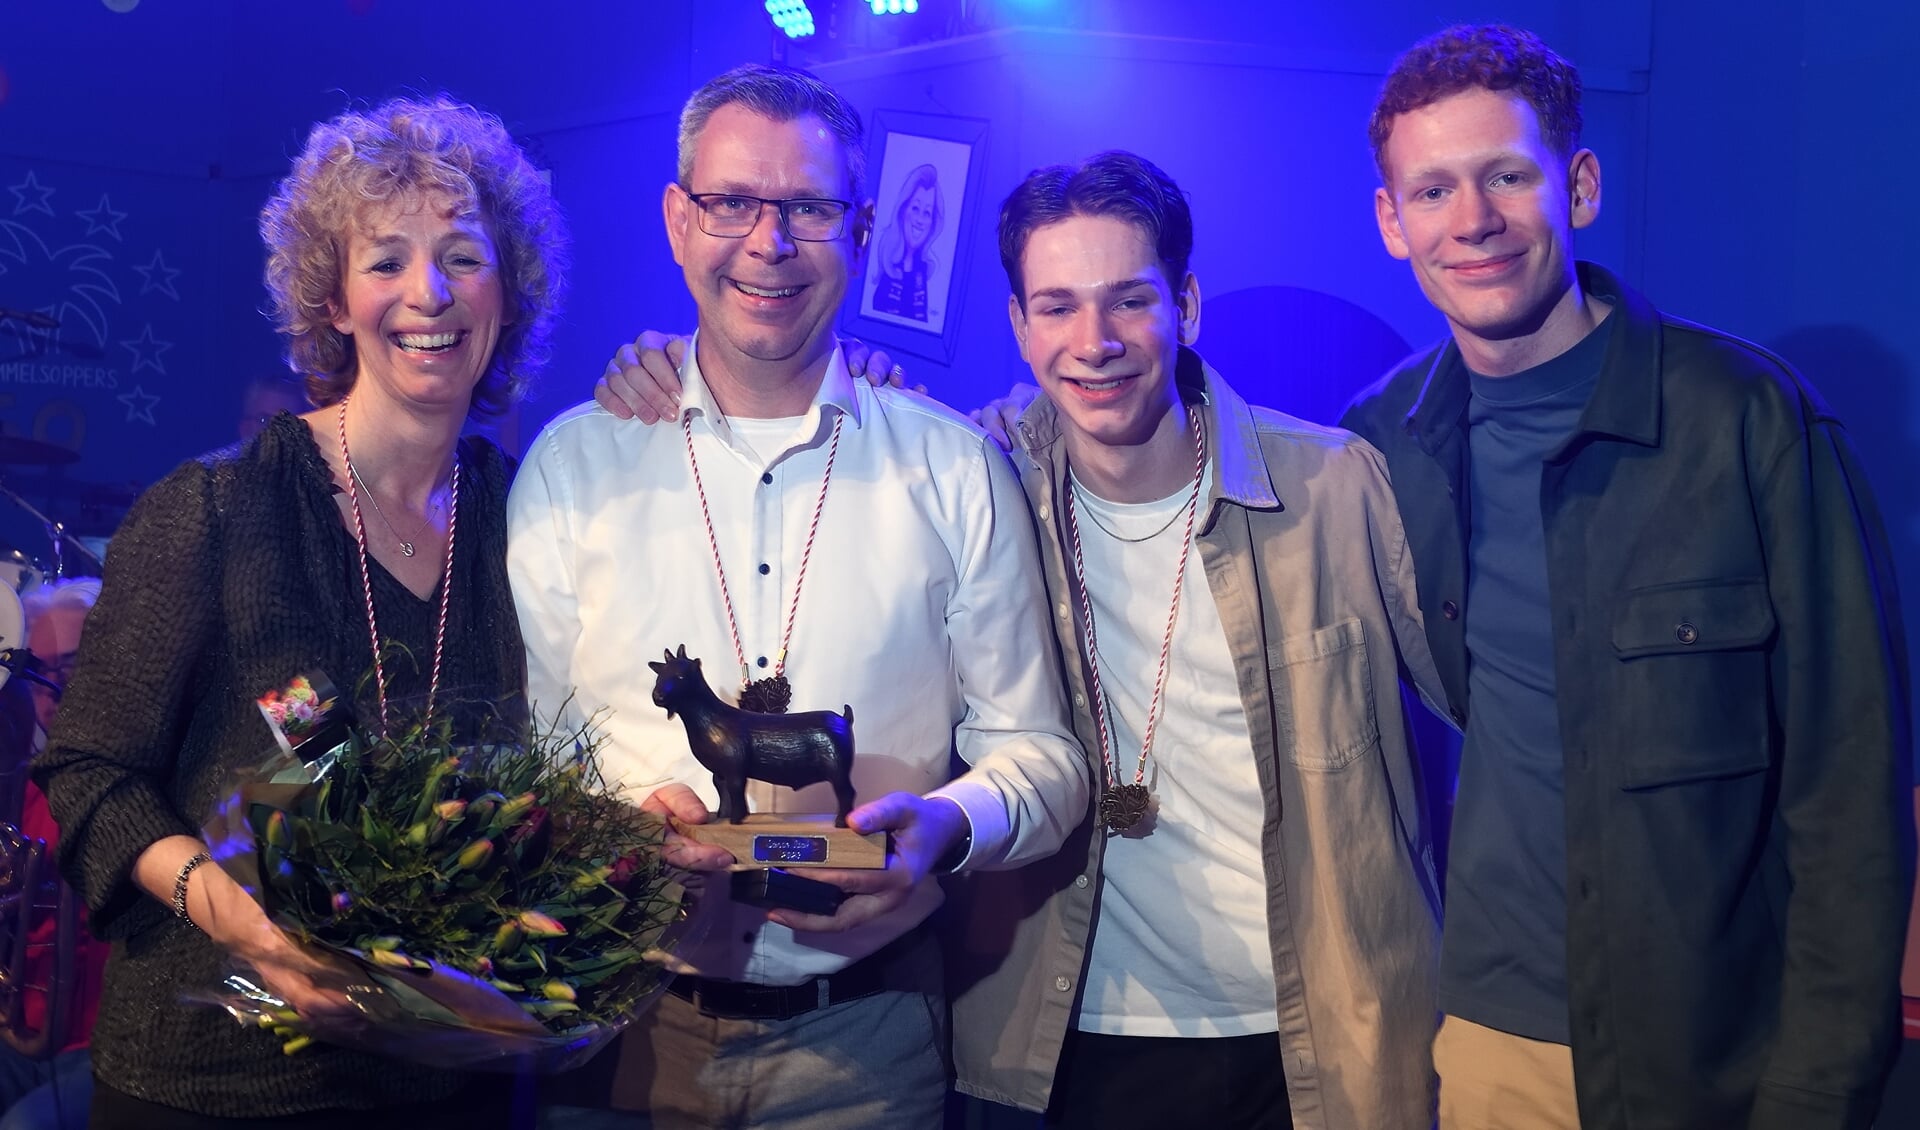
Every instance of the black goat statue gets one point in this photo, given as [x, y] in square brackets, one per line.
[794, 750]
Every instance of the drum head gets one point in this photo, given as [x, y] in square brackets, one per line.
[19, 572]
[13, 626]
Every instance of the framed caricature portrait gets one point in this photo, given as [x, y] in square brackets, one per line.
[925, 176]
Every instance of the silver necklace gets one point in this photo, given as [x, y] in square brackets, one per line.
[406, 545]
[1116, 535]
[366, 577]
[1124, 803]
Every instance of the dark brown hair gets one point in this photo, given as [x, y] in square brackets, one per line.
[1116, 183]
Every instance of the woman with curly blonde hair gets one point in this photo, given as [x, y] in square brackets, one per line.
[414, 259]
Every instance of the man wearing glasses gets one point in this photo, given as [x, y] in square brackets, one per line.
[814, 536]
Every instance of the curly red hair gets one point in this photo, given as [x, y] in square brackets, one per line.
[1490, 57]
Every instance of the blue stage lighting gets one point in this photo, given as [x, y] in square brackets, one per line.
[893, 7]
[792, 17]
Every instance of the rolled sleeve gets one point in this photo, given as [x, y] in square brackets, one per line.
[1028, 784]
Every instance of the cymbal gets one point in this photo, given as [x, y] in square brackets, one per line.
[56, 488]
[26, 452]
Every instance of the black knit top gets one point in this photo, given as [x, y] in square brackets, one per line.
[230, 576]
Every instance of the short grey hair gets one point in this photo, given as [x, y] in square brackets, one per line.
[78, 594]
[782, 94]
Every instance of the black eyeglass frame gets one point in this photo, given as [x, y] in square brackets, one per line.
[786, 222]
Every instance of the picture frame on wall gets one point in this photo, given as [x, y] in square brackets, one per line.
[925, 175]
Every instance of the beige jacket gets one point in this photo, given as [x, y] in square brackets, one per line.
[1306, 558]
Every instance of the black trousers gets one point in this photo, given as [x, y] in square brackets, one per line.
[1157, 1082]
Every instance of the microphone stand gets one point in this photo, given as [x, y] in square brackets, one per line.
[57, 534]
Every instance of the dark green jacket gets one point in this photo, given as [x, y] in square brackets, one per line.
[1733, 708]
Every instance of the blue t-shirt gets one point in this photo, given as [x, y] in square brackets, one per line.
[1503, 955]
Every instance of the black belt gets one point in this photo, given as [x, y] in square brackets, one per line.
[744, 1000]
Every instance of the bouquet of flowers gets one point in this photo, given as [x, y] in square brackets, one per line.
[481, 904]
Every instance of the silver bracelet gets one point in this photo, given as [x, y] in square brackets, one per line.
[180, 887]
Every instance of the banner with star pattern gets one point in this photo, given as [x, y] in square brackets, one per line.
[106, 369]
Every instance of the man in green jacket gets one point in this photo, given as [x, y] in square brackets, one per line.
[1663, 606]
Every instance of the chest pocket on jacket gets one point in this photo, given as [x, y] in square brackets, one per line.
[1323, 696]
[1691, 702]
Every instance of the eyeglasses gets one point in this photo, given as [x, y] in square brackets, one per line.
[806, 218]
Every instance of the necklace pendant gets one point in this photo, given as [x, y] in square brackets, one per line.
[406, 549]
[1123, 806]
[771, 695]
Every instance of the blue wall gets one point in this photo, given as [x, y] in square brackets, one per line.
[1755, 155]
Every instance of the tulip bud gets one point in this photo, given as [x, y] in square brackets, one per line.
[472, 857]
[538, 925]
[512, 811]
[450, 810]
[278, 834]
[558, 991]
[482, 808]
[507, 939]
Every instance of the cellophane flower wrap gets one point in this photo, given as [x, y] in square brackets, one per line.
[480, 905]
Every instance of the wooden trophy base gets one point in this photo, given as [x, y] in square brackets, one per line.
[792, 840]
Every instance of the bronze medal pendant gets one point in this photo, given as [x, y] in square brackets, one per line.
[1123, 806]
[771, 695]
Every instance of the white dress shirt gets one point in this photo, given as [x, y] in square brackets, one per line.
[923, 607]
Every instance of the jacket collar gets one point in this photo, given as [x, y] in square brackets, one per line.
[1239, 471]
[1626, 399]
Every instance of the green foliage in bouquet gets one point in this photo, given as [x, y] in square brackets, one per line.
[515, 864]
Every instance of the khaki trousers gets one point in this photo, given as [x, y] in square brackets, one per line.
[1493, 1080]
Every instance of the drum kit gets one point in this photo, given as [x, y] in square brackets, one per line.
[71, 549]
[36, 908]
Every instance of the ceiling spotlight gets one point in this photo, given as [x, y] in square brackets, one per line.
[792, 17]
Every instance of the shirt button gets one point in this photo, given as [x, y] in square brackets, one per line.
[1063, 610]
[1450, 610]
[1080, 881]
[1041, 511]
[765, 568]
[1062, 984]
[1686, 633]
[1080, 700]
[766, 477]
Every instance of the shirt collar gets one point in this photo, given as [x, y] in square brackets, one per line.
[1626, 397]
[1239, 473]
[836, 394]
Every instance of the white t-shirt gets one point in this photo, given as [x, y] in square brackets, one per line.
[1181, 945]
